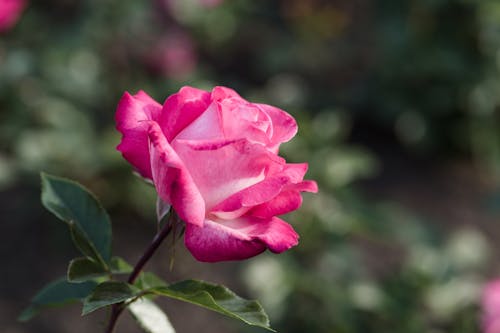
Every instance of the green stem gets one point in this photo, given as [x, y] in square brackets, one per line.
[118, 308]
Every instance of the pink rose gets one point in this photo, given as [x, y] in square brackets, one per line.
[490, 303]
[213, 157]
[10, 10]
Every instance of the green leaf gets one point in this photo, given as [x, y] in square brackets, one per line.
[216, 298]
[84, 269]
[107, 293]
[88, 221]
[57, 293]
[82, 243]
[120, 266]
[148, 280]
[150, 317]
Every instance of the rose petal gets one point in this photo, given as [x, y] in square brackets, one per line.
[261, 123]
[132, 115]
[134, 148]
[305, 186]
[242, 119]
[284, 125]
[222, 168]
[295, 171]
[220, 93]
[238, 239]
[237, 204]
[289, 178]
[208, 126]
[181, 109]
[285, 202]
[173, 181]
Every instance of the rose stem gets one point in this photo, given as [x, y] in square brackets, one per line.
[117, 308]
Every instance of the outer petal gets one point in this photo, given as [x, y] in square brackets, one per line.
[285, 202]
[238, 239]
[134, 109]
[220, 93]
[277, 194]
[261, 123]
[242, 119]
[277, 203]
[173, 181]
[181, 109]
[132, 116]
[284, 125]
[239, 203]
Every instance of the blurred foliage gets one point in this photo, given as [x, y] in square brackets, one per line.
[424, 73]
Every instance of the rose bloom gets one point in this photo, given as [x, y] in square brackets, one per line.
[213, 157]
[490, 303]
[10, 11]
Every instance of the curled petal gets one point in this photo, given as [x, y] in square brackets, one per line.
[134, 109]
[278, 194]
[305, 186]
[181, 109]
[295, 171]
[285, 202]
[239, 239]
[173, 181]
[132, 115]
[239, 203]
[284, 125]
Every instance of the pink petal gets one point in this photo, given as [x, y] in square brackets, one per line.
[132, 116]
[262, 194]
[173, 181]
[261, 123]
[239, 203]
[288, 200]
[242, 119]
[284, 125]
[208, 126]
[181, 109]
[305, 186]
[134, 148]
[238, 239]
[220, 93]
[285, 202]
[223, 168]
[295, 171]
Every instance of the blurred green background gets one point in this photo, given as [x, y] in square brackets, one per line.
[398, 108]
